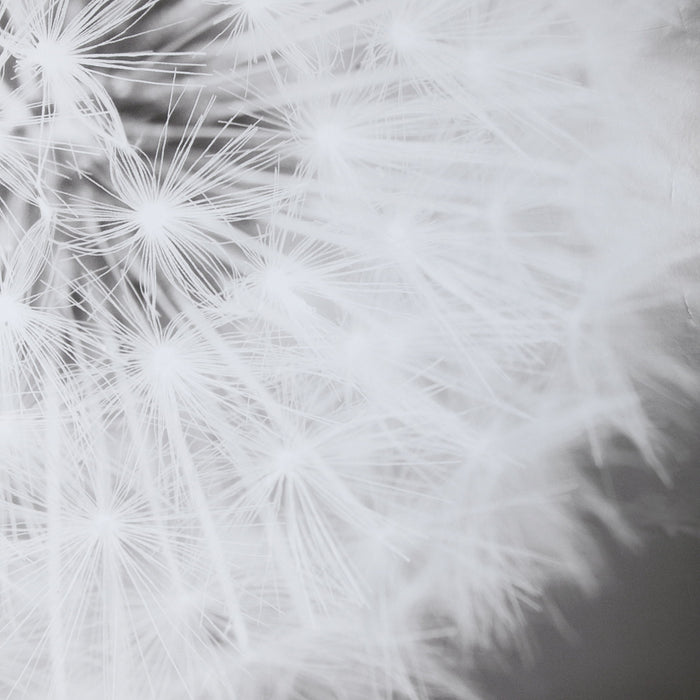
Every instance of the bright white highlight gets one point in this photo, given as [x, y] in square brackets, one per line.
[13, 314]
[154, 220]
[402, 36]
[54, 57]
[106, 526]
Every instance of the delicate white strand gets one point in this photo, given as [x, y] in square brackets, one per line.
[309, 312]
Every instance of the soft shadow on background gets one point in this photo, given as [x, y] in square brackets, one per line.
[639, 639]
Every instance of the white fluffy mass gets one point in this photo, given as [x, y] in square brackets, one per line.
[310, 311]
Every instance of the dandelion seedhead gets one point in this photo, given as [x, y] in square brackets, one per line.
[309, 310]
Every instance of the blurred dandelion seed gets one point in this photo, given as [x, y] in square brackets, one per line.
[308, 311]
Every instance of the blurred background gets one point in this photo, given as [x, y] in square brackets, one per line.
[639, 638]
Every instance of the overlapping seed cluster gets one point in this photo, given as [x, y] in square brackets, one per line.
[304, 307]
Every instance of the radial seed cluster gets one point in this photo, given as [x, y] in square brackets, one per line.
[308, 311]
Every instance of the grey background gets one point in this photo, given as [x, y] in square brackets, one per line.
[639, 639]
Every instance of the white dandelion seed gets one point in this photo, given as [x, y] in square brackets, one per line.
[309, 314]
